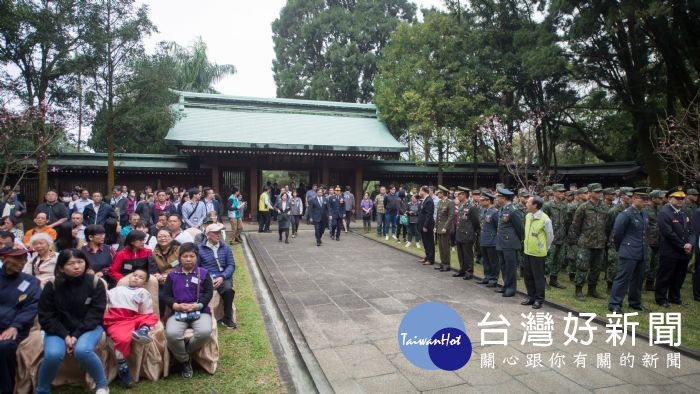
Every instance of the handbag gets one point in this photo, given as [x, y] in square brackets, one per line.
[403, 220]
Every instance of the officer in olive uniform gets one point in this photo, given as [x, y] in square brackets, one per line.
[556, 209]
[629, 233]
[653, 235]
[468, 226]
[589, 228]
[476, 201]
[611, 252]
[489, 228]
[509, 239]
[571, 240]
[444, 225]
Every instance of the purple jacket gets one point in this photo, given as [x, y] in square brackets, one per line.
[181, 287]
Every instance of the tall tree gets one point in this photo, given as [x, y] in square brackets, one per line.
[328, 50]
[115, 30]
[39, 41]
[193, 70]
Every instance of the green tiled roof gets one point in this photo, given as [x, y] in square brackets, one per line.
[211, 120]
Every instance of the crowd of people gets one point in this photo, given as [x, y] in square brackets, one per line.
[639, 239]
[64, 271]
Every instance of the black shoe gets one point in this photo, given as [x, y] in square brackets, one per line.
[615, 309]
[639, 308]
[458, 274]
[677, 302]
[286, 241]
[501, 290]
[438, 267]
[445, 270]
[490, 285]
[555, 283]
[337, 238]
[467, 277]
[527, 301]
[483, 282]
[508, 294]
[186, 369]
[228, 323]
[664, 304]
[318, 243]
[537, 305]
[124, 375]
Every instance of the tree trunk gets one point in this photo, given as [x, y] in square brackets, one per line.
[646, 151]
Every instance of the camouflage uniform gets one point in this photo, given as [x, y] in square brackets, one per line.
[652, 240]
[571, 242]
[589, 227]
[611, 258]
[557, 212]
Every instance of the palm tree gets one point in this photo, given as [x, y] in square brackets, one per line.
[194, 71]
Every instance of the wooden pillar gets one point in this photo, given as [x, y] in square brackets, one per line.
[358, 190]
[215, 181]
[254, 191]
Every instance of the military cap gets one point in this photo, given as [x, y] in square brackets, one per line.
[581, 190]
[476, 191]
[656, 193]
[463, 189]
[443, 189]
[569, 193]
[337, 188]
[558, 187]
[595, 187]
[678, 193]
[626, 190]
[642, 192]
[693, 192]
[524, 192]
[608, 191]
[489, 196]
[500, 185]
[501, 191]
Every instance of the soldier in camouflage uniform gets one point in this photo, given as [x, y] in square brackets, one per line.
[444, 227]
[652, 237]
[589, 228]
[609, 196]
[571, 240]
[689, 206]
[611, 255]
[556, 209]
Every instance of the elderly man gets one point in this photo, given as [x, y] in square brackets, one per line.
[217, 258]
[539, 235]
[56, 212]
[19, 301]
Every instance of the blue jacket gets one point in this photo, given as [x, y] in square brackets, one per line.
[676, 231]
[629, 234]
[489, 226]
[19, 301]
[511, 228]
[208, 260]
[105, 211]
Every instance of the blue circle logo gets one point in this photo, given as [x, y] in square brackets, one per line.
[432, 336]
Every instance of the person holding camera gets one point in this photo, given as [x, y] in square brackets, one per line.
[187, 291]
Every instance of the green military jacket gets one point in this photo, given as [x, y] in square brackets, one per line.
[689, 208]
[570, 211]
[610, 220]
[652, 233]
[445, 216]
[589, 225]
[557, 212]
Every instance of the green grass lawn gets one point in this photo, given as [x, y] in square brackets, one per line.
[246, 363]
[690, 314]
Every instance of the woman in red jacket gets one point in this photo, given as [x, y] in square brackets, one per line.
[133, 256]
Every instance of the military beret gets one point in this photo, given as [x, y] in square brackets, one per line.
[558, 187]
[595, 187]
[581, 190]
[626, 190]
[693, 192]
[443, 189]
[608, 191]
[504, 192]
[678, 193]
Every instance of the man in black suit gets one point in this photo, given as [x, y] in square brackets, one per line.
[425, 224]
[696, 245]
[675, 249]
[318, 213]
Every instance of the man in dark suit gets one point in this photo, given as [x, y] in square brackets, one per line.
[426, 224]
[675, 249]
[696, 245]
[98, 212]
[318, 213]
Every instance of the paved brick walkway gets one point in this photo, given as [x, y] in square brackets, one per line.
[348, 299]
